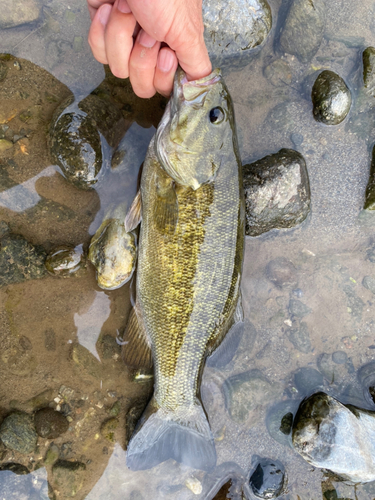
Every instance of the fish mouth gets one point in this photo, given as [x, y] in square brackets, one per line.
[184, 90]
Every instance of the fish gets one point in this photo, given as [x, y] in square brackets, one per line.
[191, 213]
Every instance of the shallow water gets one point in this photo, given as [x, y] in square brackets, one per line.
[60, 334]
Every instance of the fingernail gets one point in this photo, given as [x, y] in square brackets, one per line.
[104, 13]
[123, 6]
[166, 60]
[146, 40]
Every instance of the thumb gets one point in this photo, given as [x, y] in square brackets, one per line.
[194, 60]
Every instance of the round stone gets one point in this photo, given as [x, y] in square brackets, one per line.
[17, 432]
[331, 98]
[339, 357]
[50, 424]
[268, 478]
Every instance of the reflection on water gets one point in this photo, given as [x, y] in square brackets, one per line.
[311, 331]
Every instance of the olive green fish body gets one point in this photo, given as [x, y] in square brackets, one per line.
[189, 269]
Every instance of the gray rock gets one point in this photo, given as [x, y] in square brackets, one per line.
[298, 308]
[17, 432]
[355, 303]
[246, 391]
[339, 357]
[300, 338]
[20, 260]
[297, 139]
[17, 12]
[307, 379]
[304, 28]
[282, 273]
[278, 73]
[68, 477]
[369, 283]
[332, 371]
[232, 29]
[333, 436]
[331, 98]
[50, 424]
[267, 480]
[277, 192]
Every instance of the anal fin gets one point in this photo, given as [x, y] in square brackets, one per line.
[136, 349]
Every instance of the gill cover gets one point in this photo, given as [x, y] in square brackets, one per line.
[197, 122]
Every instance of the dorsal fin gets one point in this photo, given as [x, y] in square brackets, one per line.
[136, 349]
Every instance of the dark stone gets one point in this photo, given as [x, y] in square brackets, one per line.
[17, 432]
[370, 189]
[65, 260]
[75, 146]
[286, 423]
[366, 378]
[224, 491]
[304, 28]
[355, 303]
[18, 469]
[232, 29]
[50, 424]
[3, 71]
[20, 260]
[339, 357]
[331, 98]
[267, 480]
[369, 73]
[300, 338]
[298, 308]
[108, 346]
[307, 379]
[281, 272]
[277, 192]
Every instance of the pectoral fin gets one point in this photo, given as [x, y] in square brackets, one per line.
[134, 215]
[136, 349]
[166, 206]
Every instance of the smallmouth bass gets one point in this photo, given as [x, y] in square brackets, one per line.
[189, 267]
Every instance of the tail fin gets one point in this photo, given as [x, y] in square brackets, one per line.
[183, 435]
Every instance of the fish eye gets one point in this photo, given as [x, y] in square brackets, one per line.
[217, 115]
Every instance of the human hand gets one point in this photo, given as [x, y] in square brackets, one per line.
[149, 65]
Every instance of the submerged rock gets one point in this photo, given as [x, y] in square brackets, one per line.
[267, 480]
[50, 424]
[368, 58]
[300, 337]
[17, 432]
[113, 252]
[331, 98]
[246, 391]
[308, 379]
[369, 283]
[20, 260]
[278, 73]
[68, 477]
[370, 189]
[282, 273]
[17, 12]
[303, 31]
[232, 29]
[337, 437]
[65, 260]
[277, 192]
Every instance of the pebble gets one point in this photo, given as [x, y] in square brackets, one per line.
[279, 73]
[50, 424]
[247, 391]
[298, 308]
[369, 283]
[267, 480]
[108, 429]
[5, 145]
[281, 272]
[52, 454]
[307, 379]
[339, 357]
[331, 98]
[368, 58]
[65, 260]
[18, 433]
[194, 485]
[297, 139]
[300, 338]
